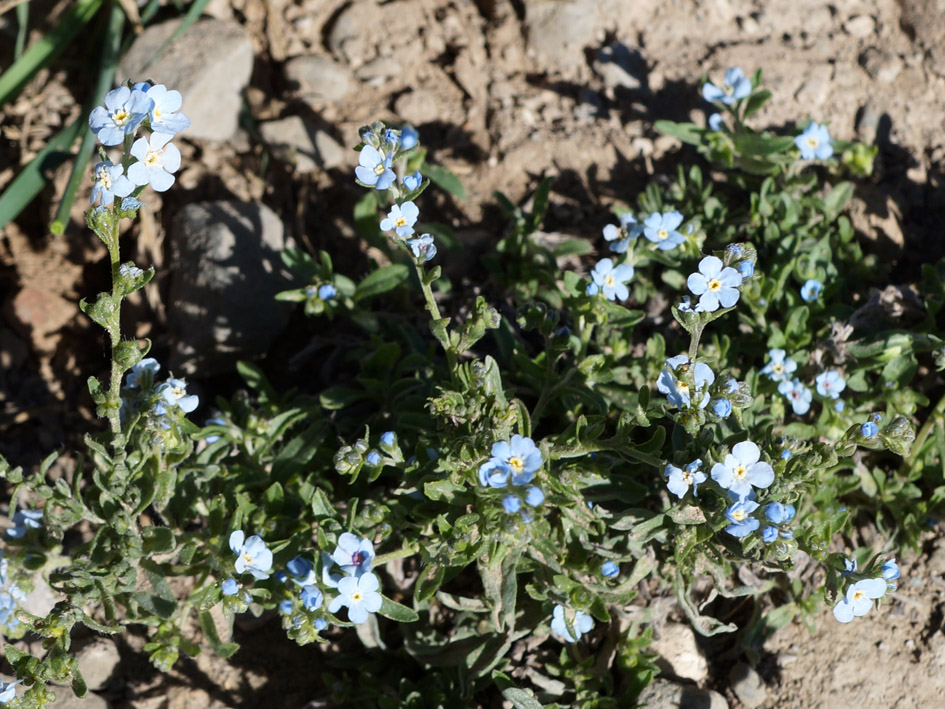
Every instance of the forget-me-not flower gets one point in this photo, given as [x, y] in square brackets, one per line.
[353, 554]
[174, 392]
[815, 142]
[408, 137]
[830, 383]
[122, 114]
[359, 594]
[811, 289]
[401, 219]
[859, 599]
[23, 521]
[676, 390]
[301, 570]
[780, 367]
[230, 587]
[412, 182]
[422, 247]
[742, 470]
[374, 168]
[518, 458]
[716, 122]
[661, 229]
[252, 555]
[611, 280]
[142, 372]
[609, 569]
[373, 458]
[746, 268]
[716, 285]
[721, 407]
[388, 440]
[110, 182]
[735, 87]
[621, 236]
[8, 691]
[779, 513]
[534, 496]
[679, 480]
[798, 394]
[311, 597]
[582, 623]
[869, 429]
[327, 291]
[157, 158]
[165, 116]
[742, 523]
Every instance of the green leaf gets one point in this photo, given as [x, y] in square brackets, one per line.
[445, 179]
[573, 247]
[521, 699]
[396, 611]
[540, 204]
[759, 144]
[686, 132]
[756, 101]
[157, 540]
[382, 280]
[365, 220]
[838, 199]
[255, 379]
[337, 398]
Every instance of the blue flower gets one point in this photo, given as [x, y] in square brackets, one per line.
[582, 623]
[628, 230]
[890, 574]
[164, 115]
[676, 390]
[412, 182]
[302, 571]
[23, 521]
[8, 691]
[849, 567]
[353, 554]
[311, 598]
[811, 289]
[685, 306]
[661, 230]
[252, 555]
[742, 470]
[869, 429]
[518, 458]
[534, 496]
[388, 439]
[780, 367]
[7, 609]
[736, 87]
[859, 599]
[746, 269]
[742, 523]
[830, 383]
[714, 284]
[769, 534]
[157, 159]
[815, 142]
[423, 247]
[320, 624]
[359, 595]
[680, 480]
[512, 504]
[129, 203]
[839, 406]
[401, 219]
[230, 587]
[123, 112]
[375, 169]
[716, 122]
[609, 569]
[142, 373]
[408, 137]
[327, 291]
[778, 513]
[110, 182]
[876, 418]
[373, 458]
[174, 392]
[721, 408]
[798, 394]
[286, 606]
[611, 280]
[786, 454]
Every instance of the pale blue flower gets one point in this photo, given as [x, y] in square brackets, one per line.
[610, 279]
[359, 594]
[511, 504]
[779, 513]
[320, 624]
[679, 480]
[408, 137]
[676, 390]
[746, 269]
[609, 569]
[811, 289]
[422, 247]
[769, 534]
[582, 623]
[122, 114]
[401, 219]
[129, 203]
[412, 182]
[859, 599]
[736, 87]
[849, 567]
[164, 115]
[302, 571]
[373, 458]
[685, 306]
[780, 367]
[157, 158]
[786, 454]
[110, 182]
[142, 373]
[327, 291]
[374, 168]
[230, 587]
[311, 598]
[716, 122]
[742, 470]
[742, 523]
[23, 521]
[869, 429]
[8, 691]
[285, 607]
[388, 439]
[174, 392]
[721, 408]
[715, 284]
[891, 573]
[830, 384]
[815, 142]
[518, 458]
[661, 230]
[798, 394]
[252, 555]
[628, 230]
[353, 554]
[839, 406]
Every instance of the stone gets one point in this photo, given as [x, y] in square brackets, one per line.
[860, 26]
[677, 647]
[558, 31]
[378, 70]
[301, 145]
[417, 107]
[317, 79]
[66, 699]
[882, 65]
[97, 663]
[42, 598]
[210, 63]
[618, 65]
[226, 271]
[664, 694]
[40, 315]
[925, 21]
[748, 686]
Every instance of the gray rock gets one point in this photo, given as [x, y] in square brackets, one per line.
[97, 663]
[378, 70]
[346, 37]
[65, 699]
[618, 65]
[859, 26]
[748, 686]
[42, 598]
[318, 80]
[663, 694]
[417, 107]
[209, 63]
[882, 65]
[925, 21]
[299, 144]
[226, 272]
[681, 655]
[558, 31]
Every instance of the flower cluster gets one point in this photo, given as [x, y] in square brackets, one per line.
[358, 588]
[735, 87]
[829, 383]
[679, 480]
[513, 466]
[149, 160]
[860, 594]
[252, 555]
[160, 402]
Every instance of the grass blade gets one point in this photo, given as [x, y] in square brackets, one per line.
[22, 25]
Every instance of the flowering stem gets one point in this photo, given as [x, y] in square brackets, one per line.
[694, 343]
[114, 332]
[438, 325]
[406, 551]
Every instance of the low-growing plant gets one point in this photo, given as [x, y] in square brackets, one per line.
[499, 475]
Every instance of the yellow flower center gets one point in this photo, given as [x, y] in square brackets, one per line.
[715, 284]
[682, 387]
[357, 596]
[662, 234]
[516, 464]
[120, 117]
[401, 221]
[608, 280]
[157, 113]
[247, 558]
[153, 157]
[739, 515]
[778, 368]
[812, 142]
[687, 477]
[858, 595]
[740, 472]
[105, 179]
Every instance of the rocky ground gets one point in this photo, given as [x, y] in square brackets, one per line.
[504, 92]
